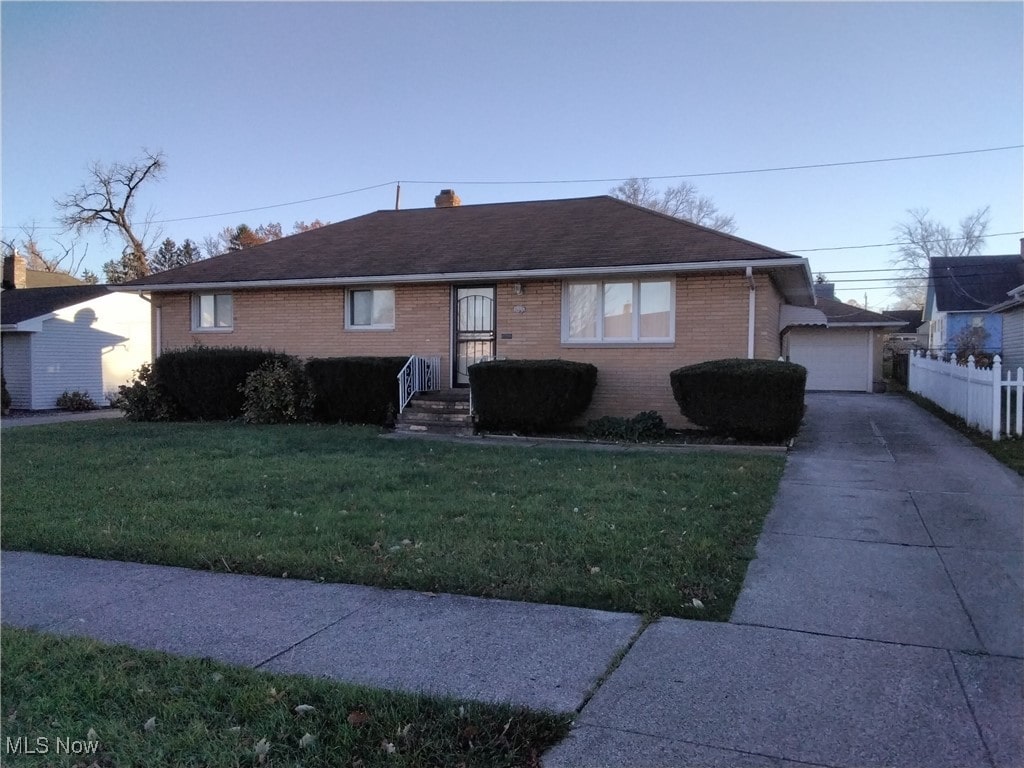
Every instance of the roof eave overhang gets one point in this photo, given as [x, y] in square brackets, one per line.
[866, 325]
[29, 325]
[796, 286]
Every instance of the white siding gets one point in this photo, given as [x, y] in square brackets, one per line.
[1013, 338]
[90, 347]
[16, 360]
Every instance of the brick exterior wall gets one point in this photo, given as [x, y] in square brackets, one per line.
[711, 322]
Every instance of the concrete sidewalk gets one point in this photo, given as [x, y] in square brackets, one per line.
[58, 417]
[538, 656]
[880, 624]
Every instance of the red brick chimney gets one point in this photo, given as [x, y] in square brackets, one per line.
[447, 199]
[15, 271]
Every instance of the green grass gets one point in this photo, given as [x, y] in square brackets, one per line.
[642, 532]
[213, 715]
[1010, 451]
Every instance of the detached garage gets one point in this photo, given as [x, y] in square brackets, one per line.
[839, 345]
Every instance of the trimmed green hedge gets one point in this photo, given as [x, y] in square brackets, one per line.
[204, 383]
[360, 390]
[531, 395]
[749, 399]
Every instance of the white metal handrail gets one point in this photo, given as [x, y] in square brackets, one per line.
[419, 374]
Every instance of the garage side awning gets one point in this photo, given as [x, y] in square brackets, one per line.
[792, 316]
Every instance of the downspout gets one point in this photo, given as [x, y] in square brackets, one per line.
[751, 305]
[156, 341]
[871, 361]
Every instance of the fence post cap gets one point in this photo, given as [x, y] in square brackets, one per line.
[997, 360]
[952, 358]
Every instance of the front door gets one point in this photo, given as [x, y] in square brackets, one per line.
[474, 334]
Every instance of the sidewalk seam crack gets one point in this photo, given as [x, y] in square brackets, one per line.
[311, 635]
[970, 708]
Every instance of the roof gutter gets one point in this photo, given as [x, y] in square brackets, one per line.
[447, 277]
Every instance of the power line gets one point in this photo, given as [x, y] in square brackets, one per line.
[736, 173]
[596, 181]
[898, 242]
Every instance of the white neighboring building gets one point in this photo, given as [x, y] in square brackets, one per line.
[69, 338]
[1012, 312]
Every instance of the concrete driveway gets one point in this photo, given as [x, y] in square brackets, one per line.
[880, 625]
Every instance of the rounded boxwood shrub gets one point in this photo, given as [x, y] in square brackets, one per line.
[747, 399]
[530, 395]
[356, 390]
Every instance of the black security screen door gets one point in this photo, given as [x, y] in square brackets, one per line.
[474, 330]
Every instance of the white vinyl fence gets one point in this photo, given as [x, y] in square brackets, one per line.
[980, 396]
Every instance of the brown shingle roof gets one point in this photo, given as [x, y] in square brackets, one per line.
[590, 232]
[23, 304]
[839, 313]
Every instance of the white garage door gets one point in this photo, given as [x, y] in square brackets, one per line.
[835, 359]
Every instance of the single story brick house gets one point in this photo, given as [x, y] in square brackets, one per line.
[595, 279]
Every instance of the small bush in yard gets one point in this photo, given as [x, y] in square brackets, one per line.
[355, 390]
[645, 426]
[531, 395]
[204, 383]
[141, 399]
[276, 393]
[5, 396]
[747, 399]
[76, 401]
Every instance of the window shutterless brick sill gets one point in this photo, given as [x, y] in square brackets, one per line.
[213, 330]
[618, 345]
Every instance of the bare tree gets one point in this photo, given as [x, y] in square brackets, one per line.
[106, 201]
[301, 226]
[243, 236]
[682, 201]
[27, 246]
[921, 238]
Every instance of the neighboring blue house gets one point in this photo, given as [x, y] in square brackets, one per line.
[961, 292]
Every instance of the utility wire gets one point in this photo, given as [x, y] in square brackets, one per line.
[736, 173]
[596, 181]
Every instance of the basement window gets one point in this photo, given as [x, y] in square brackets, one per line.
[212, 312]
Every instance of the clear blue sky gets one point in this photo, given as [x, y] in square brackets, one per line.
[260, 104]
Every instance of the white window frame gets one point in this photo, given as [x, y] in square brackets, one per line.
[634, 338]
[349, 306]
[197, 313]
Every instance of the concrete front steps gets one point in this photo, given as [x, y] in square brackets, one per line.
[445, 412]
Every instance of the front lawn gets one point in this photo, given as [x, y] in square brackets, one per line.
[639, 532]
[75, 702]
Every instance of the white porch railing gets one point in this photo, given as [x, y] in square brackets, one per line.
[980, 396]
[420, 374]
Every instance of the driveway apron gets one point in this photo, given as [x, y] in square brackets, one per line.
[881, 623]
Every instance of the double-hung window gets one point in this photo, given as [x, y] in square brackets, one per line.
[618, 311]
[371, 309]
[212, 312]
